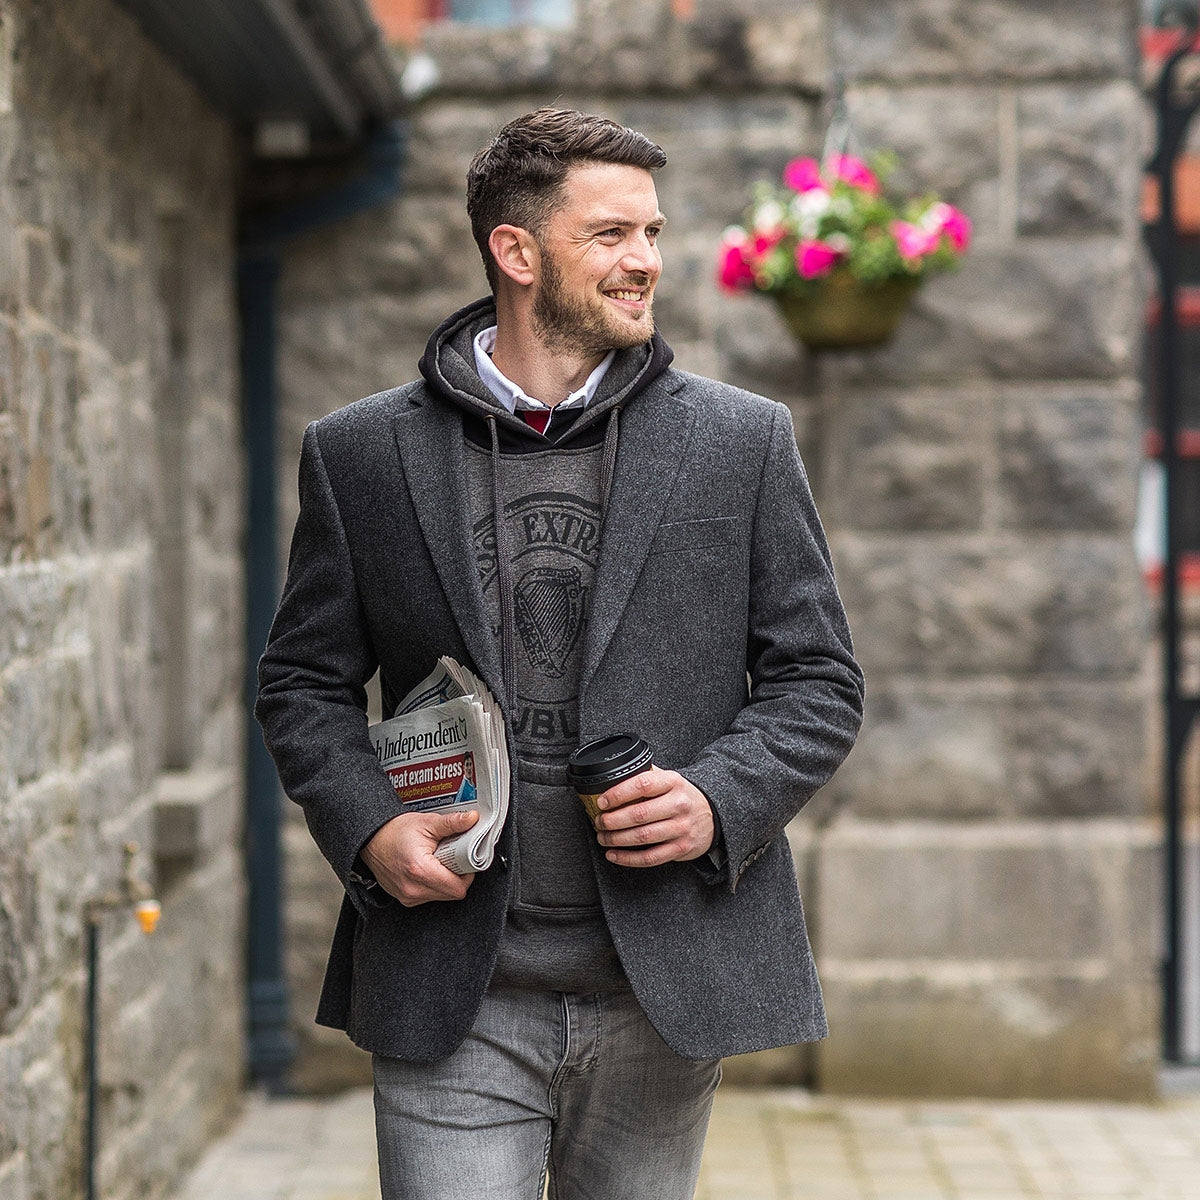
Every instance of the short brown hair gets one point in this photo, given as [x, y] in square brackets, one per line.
[517, 178]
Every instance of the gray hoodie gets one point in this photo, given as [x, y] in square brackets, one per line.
[537, 582]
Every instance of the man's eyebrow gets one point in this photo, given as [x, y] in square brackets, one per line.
[622, 223]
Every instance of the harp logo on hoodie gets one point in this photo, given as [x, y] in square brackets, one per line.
[554, 538]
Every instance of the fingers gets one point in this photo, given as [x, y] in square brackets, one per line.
[444, 825]
[401, 856]
[671, 821]
[653, 782]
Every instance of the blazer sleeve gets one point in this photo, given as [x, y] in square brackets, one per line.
[312, 678]
[805, 701]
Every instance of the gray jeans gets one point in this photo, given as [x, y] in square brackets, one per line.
[580, 1085]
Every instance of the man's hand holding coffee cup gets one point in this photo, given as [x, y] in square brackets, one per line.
[652, 818]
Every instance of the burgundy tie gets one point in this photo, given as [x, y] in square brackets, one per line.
[536, 418]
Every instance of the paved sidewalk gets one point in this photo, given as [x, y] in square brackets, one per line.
[784, 1144]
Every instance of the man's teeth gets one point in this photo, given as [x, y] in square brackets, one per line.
[626, 295]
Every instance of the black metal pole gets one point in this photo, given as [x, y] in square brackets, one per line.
[90, 1069]
[1172, 122]
[271, 1043]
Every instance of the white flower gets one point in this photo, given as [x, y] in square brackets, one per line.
[841, 242]
[768, 216]
[811, 205]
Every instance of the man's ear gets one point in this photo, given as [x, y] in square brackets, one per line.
[515, 252]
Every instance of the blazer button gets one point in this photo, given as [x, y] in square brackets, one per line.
[503, 861]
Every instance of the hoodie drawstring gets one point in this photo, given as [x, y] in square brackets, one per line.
[504, 580]
[504, 570]
[608, 461]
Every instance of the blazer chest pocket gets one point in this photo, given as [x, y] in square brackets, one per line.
[673, 536]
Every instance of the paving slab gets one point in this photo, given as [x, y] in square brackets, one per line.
[784, 1144]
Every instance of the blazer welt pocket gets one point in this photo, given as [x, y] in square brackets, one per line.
[694, 535]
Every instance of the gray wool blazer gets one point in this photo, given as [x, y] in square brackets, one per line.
[715, 631]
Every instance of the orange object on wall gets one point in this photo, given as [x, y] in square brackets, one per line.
[401, 20]
[1187, 195]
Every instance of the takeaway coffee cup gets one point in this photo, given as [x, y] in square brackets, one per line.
[597, 766]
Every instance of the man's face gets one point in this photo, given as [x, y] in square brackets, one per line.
[599, 261]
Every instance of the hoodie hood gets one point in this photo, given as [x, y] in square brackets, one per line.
[448, 367]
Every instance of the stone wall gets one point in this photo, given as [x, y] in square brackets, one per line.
[979, 876]
[986, 908]
[120, 598]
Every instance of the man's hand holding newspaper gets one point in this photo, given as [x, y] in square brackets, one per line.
[445, 753]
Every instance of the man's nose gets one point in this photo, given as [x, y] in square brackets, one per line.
[641, 255]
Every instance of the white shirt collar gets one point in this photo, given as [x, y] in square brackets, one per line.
[512, 396]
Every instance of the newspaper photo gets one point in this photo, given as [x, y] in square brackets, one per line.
[445, 750]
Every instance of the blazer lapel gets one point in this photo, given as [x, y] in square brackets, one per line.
[430, 441]
[653, 442]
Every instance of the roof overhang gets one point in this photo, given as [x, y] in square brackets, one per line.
[321, 64]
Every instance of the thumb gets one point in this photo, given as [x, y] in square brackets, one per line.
[445, 824]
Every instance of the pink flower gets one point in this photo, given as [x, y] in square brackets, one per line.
[855, 172]
[735, 270]
[766, 241]
[956, 225]
[913, 242]
[803, 175]
[814, 259]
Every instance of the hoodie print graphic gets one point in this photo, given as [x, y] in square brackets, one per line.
[551, 507]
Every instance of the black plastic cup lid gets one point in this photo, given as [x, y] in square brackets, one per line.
[607, 761]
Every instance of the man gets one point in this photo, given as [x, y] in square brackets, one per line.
[614, 546]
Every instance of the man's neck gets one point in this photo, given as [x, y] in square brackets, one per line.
[547, 375]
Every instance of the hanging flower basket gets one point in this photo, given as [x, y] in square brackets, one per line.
[839, 258]
[843, 313]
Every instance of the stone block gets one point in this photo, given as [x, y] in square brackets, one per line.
[937, 893]
[1068, 459]
[313, 900]
[1079, 162]
[898, 40]
[991, 1034]
[1039, 308]
[487, 62]
[928, 606]
[757, 352]
[195, 812]
[954, 750]
[905, 460]
[444, 136]
[12, 501]
[14, 1177]
[53, 1108]
[780, 43]
[11, 1069]
[989, 960]
[948, 140]
[717, 147]
[7, 46]
[615, 46]
[19, 931]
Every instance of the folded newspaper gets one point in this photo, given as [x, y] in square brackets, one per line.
[445, 750]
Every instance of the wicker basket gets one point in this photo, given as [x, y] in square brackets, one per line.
[846, 314]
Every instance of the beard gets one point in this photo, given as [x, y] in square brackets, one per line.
[568, 323]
